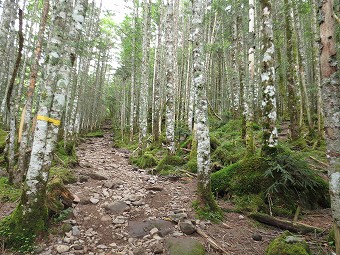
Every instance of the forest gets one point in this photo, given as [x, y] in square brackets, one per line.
[190, 127]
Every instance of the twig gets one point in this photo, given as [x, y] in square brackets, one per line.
[226, 225]
[211, 241]
[319, 161]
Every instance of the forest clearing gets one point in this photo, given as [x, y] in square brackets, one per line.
[184, 128]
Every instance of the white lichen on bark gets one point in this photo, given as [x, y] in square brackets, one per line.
[270, 135]
[170, 81]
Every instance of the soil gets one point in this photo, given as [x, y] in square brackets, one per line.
[105, 177]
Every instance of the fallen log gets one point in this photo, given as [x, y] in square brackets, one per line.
[211, 241]
[284, 224]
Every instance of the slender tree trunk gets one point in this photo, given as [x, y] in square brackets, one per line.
[26, 116]
[170, 81]
[292, 94]
[201, 114]
[270, 135]
[331, 94]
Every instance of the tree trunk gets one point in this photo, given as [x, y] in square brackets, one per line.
[270, 135]
[201, 114]
[331, 94]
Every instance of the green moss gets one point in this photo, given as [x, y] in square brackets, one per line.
[65, 174]
[191, 165]
[8, 192]
[66, 154]
[147, 160]
[207, 213]
[168, 162]
[98, 133]
[19, 230]
[285, 179]
[229, 152]
[280, 246]
[3, 136]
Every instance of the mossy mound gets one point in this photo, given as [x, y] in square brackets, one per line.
[287, 244]
[169, 162]
[285, 179]
[98, 133]
[66, 154]
[184, 246]
[147, 160]
[229, 152]
[8, 192]
[191, 165]
[65, 174]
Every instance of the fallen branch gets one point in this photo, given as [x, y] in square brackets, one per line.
[319, 161]
[211, 241]
[188, 173]
[283, 224]
[226, 225]
[212, 110]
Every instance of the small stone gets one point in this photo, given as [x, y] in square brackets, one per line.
[257, 237]
[62, 248]
[102, 246]
[76, 199]
[177, 234]
[154, 188]
[177, 217]
[97, 177]
[78, 247]
[83, 178]
[75, 231]
[138, 251]
[119, 220]
[94, 200]
[293, 239]
[105, 218]
[117, 207]
[138, 203]
[158, 248]
[187, 227]
[113, 245]
[153, 231]
[241, 217]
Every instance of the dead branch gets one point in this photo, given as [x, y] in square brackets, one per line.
[211, 241]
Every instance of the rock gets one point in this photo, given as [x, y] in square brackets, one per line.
[105, 218]
[257, 237]
[138, 203]
[138, 251]
[75, 231]
[76, 199]
[139, 229]
[102, 246]
[84, 201]
[241, 217]
[62, 248]
[117, 207]
[111, 184]
[96, 176]
[157, 248]
[184, 245]
[154, 188]
[83, 178]
[293, 239]
[177, 217]
[119, 220]
[187, 227]
[154, 231]
[78, 247]
[66, 227]
[94, 200]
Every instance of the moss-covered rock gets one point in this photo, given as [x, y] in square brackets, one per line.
[287, 244]
[98, 133]
[191, 165]
[284, 178]
[184, 246]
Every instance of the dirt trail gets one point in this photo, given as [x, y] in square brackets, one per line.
[121, 209]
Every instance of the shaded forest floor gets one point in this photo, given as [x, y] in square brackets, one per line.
[121, 209]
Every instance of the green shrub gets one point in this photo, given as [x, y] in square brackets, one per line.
[65, 174]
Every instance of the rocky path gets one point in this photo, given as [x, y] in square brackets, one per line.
[120, 209]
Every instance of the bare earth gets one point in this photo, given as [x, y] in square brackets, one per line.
[132, 212]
